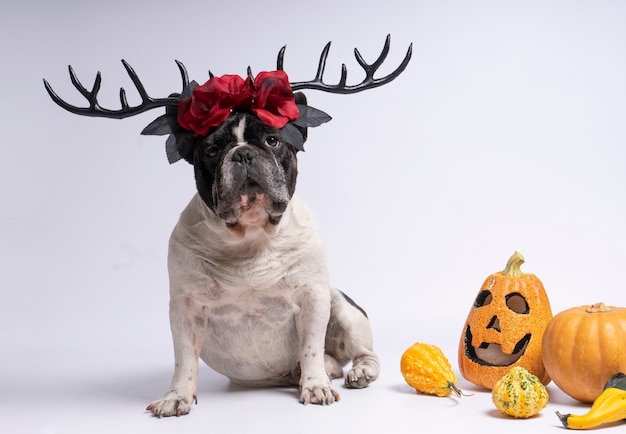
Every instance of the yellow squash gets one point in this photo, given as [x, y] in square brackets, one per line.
[609, 407]
[426, 368]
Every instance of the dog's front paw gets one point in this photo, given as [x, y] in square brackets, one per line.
[172, 404]
[362, 374]
[322, 394]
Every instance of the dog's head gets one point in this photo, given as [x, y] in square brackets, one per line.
[246, 170]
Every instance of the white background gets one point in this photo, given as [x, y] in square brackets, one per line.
[506, 132]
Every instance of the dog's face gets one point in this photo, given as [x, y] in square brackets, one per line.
[246, 171]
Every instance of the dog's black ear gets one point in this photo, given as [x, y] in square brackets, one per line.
[301, 100]
[295, 132]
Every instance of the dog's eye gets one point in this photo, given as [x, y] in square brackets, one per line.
[211, 151]
[272, 141]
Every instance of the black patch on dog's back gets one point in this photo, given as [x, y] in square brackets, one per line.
[353, 303]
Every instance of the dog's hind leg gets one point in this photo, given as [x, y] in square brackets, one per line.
[349, 338]
[333, 367]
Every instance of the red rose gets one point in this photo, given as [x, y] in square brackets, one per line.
[211, 103]
[274, 102]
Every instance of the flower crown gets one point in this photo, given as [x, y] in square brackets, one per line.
[193, 113]
[204, 107]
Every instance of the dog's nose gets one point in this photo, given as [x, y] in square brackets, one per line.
[245, 155]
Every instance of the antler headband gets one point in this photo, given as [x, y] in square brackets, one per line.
[198, 108]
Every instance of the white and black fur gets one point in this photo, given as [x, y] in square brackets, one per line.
[249, 287]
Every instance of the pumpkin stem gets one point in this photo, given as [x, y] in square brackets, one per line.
[512, 268]
[598, 307]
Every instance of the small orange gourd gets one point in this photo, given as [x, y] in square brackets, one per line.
[583, 347]
[505, 326]
[426, 368]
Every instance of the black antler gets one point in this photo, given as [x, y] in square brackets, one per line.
[147, 102]
[94, 109]
[370, 69]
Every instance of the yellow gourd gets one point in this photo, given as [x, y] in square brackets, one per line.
[519, 393]
[426, 368]
[607, 408]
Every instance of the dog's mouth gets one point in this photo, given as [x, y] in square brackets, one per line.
[491, 354]
[251, 195]
[252, 206]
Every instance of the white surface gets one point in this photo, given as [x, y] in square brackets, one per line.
[506, 132]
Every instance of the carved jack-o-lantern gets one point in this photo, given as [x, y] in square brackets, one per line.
[505, 326]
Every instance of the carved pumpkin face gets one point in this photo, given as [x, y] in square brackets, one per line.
[505, 326]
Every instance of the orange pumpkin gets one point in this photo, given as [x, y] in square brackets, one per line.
[583, 347]
[505, 326]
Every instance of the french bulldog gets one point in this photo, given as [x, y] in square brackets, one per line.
[249, 286]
